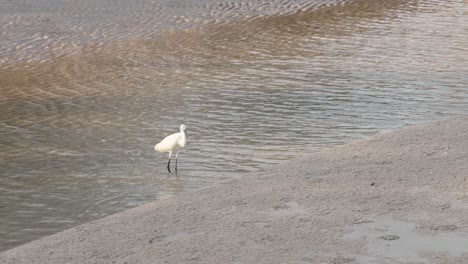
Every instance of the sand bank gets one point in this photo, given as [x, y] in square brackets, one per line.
[397, 197]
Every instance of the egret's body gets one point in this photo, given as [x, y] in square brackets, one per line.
[172, 144]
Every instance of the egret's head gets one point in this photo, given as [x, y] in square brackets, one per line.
[182, 128]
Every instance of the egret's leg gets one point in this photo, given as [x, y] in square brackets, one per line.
[169, 162]
[176, 155]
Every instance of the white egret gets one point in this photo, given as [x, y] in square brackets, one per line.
[172, 143]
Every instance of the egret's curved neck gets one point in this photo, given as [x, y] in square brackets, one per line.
[183, 139]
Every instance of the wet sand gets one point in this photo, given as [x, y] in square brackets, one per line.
[398, 197]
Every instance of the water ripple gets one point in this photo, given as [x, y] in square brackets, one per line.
[88, 88]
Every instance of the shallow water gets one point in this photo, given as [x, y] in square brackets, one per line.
[412, 241]
[88, 88]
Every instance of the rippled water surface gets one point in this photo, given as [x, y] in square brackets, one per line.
[88, 87]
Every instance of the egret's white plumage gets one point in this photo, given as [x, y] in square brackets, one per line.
[172, 143]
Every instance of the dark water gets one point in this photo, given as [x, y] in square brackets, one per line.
[88, 88]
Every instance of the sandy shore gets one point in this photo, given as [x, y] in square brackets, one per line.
[399, 197]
